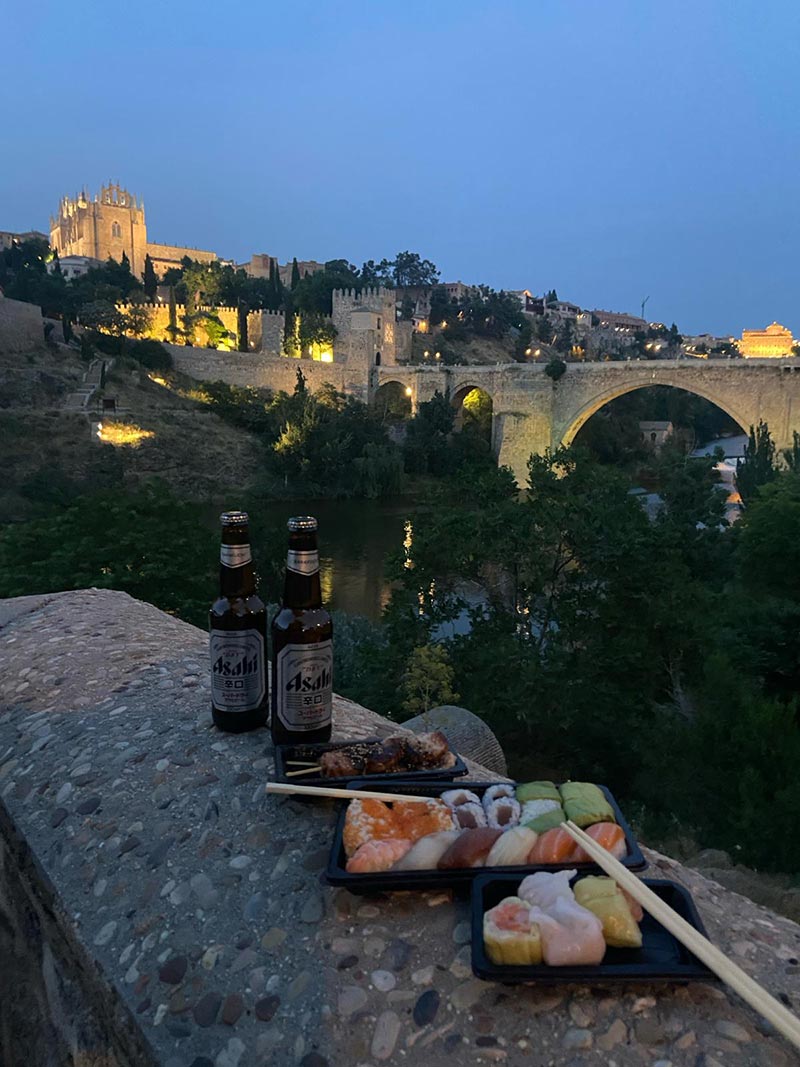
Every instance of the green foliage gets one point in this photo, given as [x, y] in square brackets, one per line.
[148, 544]
[791, 456]
[757, 468]
[150, 279]
[768, 543]
[427, 680]
[556, 369]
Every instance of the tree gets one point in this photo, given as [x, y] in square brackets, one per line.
[241, 325]
[555, 369]
[150, 279]
[757, 467]
[409, 269]
[376, 274]
[791, 456]
[172, 328]
[427, 680]
[768, 549]
[295, 274]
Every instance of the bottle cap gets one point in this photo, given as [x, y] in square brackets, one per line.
[302, 524]
[234, 518]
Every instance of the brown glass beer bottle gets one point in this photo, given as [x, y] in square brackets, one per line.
[302, 645]
[238, 624]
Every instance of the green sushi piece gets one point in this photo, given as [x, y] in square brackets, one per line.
[586, 804]
[537, 791]
[548, 821]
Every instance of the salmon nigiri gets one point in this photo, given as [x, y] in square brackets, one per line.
[553, 846]
[377, 855]
[607, 834]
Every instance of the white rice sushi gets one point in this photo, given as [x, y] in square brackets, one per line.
[502, 789]
[532, 809]
[503, 812]
[512, 848]
[425, 854]
[470, 816]
[454, 798]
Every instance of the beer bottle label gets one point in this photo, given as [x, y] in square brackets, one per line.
[304, 686]
[235, 555]
[302, 562]
[238, 677]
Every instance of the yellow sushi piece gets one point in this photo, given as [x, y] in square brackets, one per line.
[509, 935]
[604, 898]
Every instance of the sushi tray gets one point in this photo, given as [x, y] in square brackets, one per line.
[469, 828]
[412, 757]
[524, 932]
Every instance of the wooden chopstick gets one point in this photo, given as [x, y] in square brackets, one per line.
[748, 989]
[289, 788]
[313, 769]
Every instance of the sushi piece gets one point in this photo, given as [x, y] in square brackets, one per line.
[503, 812]
[454, 797]
[586, 803]
[469, 849]
[570, 934]
[604, 898]
[377, 855]
[368, 820]
[416, 820]
[509, 935]
[424, 855]
[511, 849]
[532, 809]
[554, 846]
[548, 820]
[607, 834]
[469, 816]
[543, 889]
[537, 791]
[502, 789]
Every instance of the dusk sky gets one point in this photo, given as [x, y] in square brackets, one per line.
[612, 149]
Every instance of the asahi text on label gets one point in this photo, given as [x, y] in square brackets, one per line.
[304, 686]
[302, 562]
[238, 677]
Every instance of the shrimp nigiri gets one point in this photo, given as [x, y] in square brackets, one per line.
[377, 855]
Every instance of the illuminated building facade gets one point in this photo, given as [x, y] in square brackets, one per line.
[774, 342]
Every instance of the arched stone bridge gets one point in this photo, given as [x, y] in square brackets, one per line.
[532, 413]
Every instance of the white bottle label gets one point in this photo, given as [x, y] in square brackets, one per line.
[302, 562]
[235, 555]
[238, 677]
[304, 686]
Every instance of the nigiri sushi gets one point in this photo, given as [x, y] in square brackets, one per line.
[511, 848]
[509, 935]
[543, 889]
[585, 803]
[454, 797]
[604, 898]
[424, 855]
[377, 855]
[553, 846]
[607, 834]
[570, 934]
[368, 820]
[503, 812]
[537, 791]
[469, 849]
[417, 820]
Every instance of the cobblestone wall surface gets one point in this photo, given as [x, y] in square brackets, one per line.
[21, 328]
[158, 906]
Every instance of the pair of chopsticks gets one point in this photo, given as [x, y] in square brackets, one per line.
[289, 788]
[748, 989]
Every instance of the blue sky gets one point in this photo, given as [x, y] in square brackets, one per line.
[612, 149]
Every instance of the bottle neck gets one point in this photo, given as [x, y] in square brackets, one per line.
[301, 587]
[236, 575]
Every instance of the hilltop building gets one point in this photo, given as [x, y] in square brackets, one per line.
[8, 238]
[772, 343]
[111, 223]
[258, 266]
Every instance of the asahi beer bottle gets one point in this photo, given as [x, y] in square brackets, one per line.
[302, 645]
[238, 624]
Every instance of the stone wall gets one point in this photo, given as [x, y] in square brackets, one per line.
[21, 328]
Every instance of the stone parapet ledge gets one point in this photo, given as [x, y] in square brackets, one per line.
[157, 907]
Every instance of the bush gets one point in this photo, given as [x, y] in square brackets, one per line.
[151, 354]
[555, 369]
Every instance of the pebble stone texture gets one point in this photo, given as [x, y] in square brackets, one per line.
[192, 911]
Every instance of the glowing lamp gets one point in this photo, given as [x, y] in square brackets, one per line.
[408, 390]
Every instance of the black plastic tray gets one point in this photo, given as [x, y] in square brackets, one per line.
[662, 958]
[459, 880]
[301, 751]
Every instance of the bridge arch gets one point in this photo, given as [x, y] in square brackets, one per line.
[392, 400]
[568, 428]
[473, 403]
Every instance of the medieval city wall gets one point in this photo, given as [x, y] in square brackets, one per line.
[21, 328]
[173, 254]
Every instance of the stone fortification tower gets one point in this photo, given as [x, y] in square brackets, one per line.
[365, 327]
[108, 225]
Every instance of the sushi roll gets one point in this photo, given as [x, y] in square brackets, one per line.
[417, 820]
[537, 791]
[503, 812]
[512, 848]
[470, 816]
[453, 798]
[469, 849]
[424, 855]
[509, 934]
[502, 789]
[604, 898]
[377, 855]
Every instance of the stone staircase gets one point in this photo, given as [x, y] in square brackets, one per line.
[80, 399]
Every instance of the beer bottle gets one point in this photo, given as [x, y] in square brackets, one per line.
[302, 645]
[238, 624]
